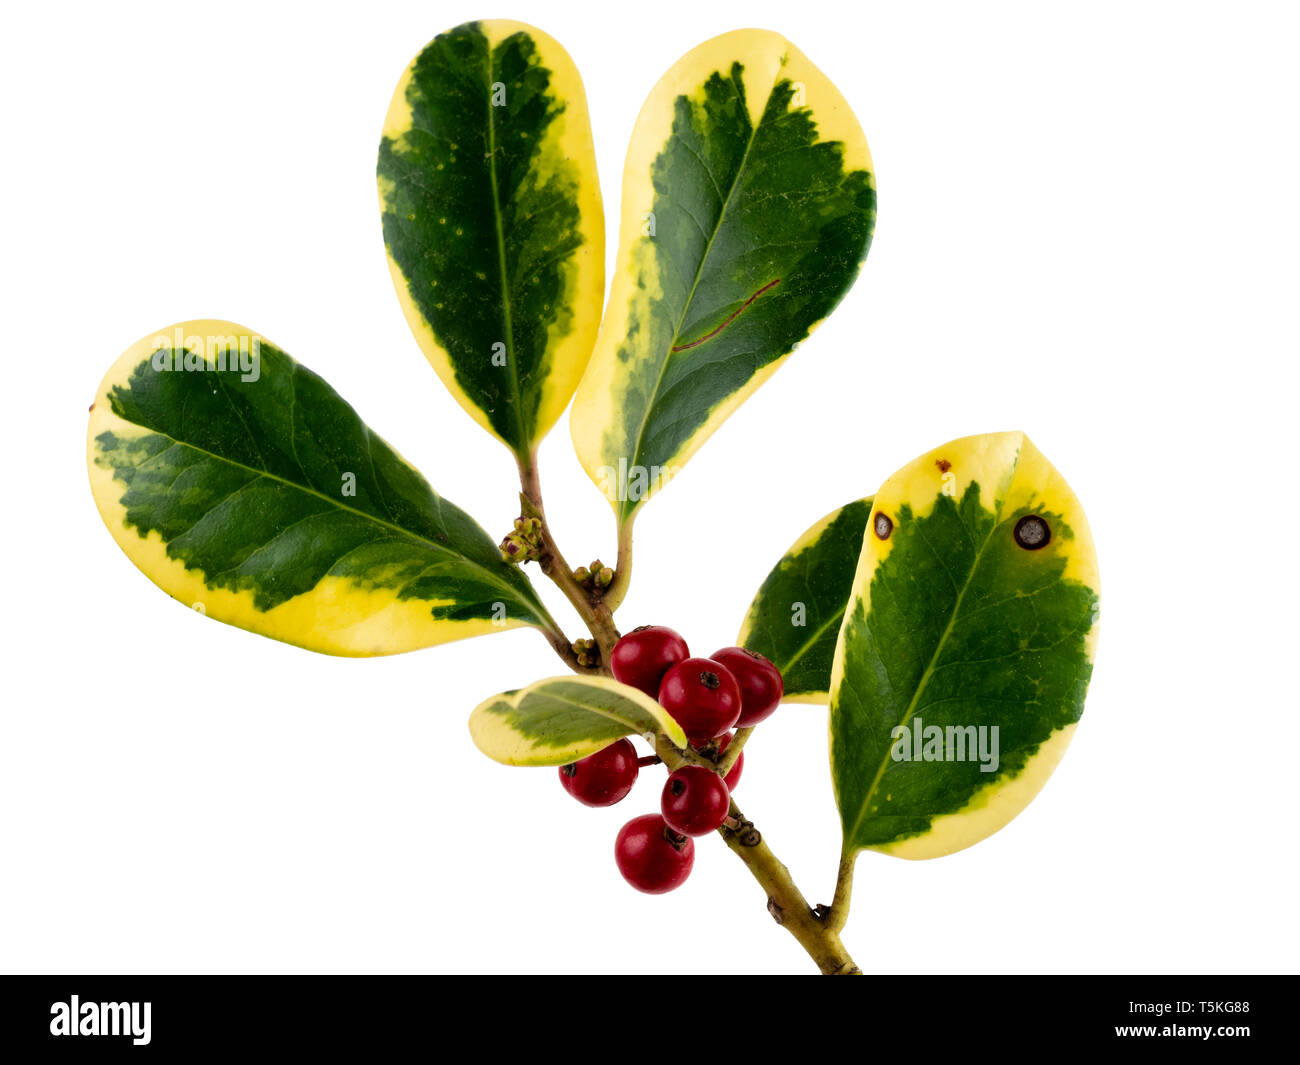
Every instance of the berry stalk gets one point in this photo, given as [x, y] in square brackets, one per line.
[732, 753]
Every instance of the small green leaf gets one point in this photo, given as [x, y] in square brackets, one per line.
[966, 649]
[244, 486]
[748, 208]
[795, 618]
[493, 222]
[562, 719]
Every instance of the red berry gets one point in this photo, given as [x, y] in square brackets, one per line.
[644, 655]
[603, 778]
[695, 801]
[760, 683]
[651, 856]
[702, 696]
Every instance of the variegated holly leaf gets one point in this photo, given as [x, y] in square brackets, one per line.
[794, 620]
[493, 222]
[748, 207]
[562, 719]
[244, 486]
[966, 648]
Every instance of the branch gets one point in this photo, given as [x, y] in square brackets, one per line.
[590, 606]
[564, 648]
[817, 930]
[785, 902]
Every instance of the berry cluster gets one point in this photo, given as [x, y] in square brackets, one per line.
[708, 697]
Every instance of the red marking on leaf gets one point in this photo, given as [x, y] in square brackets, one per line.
[729, 319]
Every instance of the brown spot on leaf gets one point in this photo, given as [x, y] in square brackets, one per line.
[1032, 532]
[943, 464]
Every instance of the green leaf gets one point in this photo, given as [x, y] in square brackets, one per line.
[748, 208]
[966, 649]
[562, 719]
[493, 222]
[795, 618]
[244, 486]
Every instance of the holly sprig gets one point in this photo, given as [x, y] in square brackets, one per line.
[948, 620]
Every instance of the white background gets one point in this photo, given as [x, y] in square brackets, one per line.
[1087, 230]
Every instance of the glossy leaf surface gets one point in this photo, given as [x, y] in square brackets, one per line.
[244, 486]
[966, 649]
[493, 222]
[562, 719]
[795, 618]
[748, 207]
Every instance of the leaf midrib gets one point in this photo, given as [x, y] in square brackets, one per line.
[817, 634]
[634, 726]
[610, 715]
[929, 671]
[699, 272]
[441, 549]
[516, 401]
